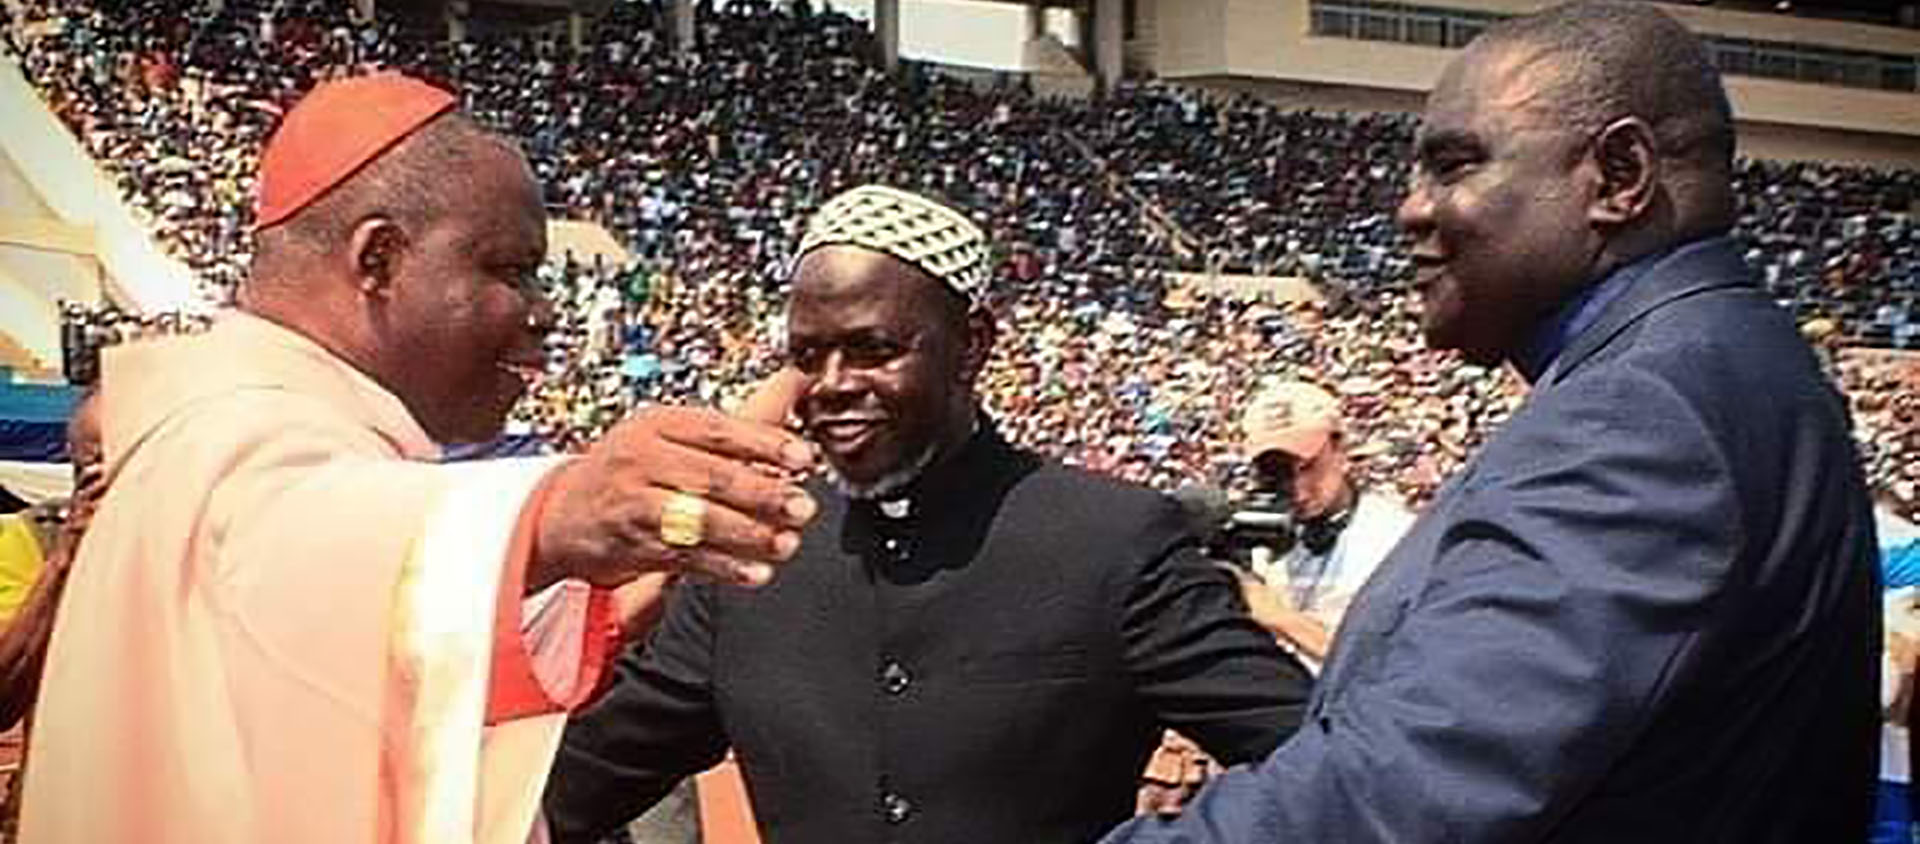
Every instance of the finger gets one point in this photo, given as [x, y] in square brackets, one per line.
[1163, 766]
[731, 484]
[1167, 801]
[649, 557]
[1147, 800]
[712, 567]
[739, 439]
[728, 532]
[734, 534]
[773, 400]
[1196, 772]
[638, 603]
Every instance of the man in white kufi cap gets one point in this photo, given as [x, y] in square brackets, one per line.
[973, 643]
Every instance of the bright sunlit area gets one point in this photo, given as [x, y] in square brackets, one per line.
[975, 34]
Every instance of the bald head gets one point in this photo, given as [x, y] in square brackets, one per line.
[1608, 60]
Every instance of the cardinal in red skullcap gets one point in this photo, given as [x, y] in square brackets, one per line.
[290, 621]
[335, 131]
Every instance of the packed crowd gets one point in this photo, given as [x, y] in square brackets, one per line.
[1839, 244]
[705, 164]
[1885, 395]
[85, 330]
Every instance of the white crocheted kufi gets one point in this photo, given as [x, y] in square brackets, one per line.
[937, 239]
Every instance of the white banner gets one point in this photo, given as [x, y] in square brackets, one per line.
[36, 482]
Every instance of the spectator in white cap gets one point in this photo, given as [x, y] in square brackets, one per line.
[1296, 440]
[975, 644]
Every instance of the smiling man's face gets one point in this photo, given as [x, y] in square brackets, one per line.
[1497, 210]
[884, 349]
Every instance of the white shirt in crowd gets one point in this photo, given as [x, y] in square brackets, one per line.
[1323, 585]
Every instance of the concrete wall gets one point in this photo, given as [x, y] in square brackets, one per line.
[1803, 143]
[1758, 140]
[1053, 70]
[584, 240]
[1140, 49]
[1267, 40]
[1303, 95]
[1190, 37]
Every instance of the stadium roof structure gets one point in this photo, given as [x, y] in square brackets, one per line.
[66, 236]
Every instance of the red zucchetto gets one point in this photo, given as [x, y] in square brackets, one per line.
[335, 130]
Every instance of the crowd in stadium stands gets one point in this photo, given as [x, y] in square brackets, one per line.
[705, 164]
[84, 329]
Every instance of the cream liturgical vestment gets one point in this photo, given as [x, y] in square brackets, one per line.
[288, 624]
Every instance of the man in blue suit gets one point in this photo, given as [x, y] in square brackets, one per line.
[1648, 610]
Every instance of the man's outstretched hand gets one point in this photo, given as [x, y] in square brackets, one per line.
[602, 518]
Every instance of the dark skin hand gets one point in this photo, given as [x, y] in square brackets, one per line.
[602, 520]
[639, 603]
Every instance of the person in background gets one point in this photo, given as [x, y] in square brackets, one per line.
[1900, 578]
[57, 529]
[1295, 442]
[1294, 434]
[24, 638]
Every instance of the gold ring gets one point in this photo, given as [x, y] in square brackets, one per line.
[683, 520]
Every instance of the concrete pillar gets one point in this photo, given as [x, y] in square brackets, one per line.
[683, 23]
[886, 28]
[457, 21]
[1109, 41]
[577, 30]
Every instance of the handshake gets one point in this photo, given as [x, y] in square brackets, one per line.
[675, 489]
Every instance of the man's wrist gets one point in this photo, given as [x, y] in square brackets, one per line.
[547, 562]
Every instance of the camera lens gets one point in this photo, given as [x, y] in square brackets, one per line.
[1273, 471]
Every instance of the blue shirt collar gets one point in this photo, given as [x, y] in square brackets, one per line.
[1579, 313]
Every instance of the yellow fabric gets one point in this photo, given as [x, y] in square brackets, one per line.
[20, 562]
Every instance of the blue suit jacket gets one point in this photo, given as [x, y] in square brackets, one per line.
[1646, 612]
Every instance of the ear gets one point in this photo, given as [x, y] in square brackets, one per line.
[375, 249]
[1628, 159]
[982, 330]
